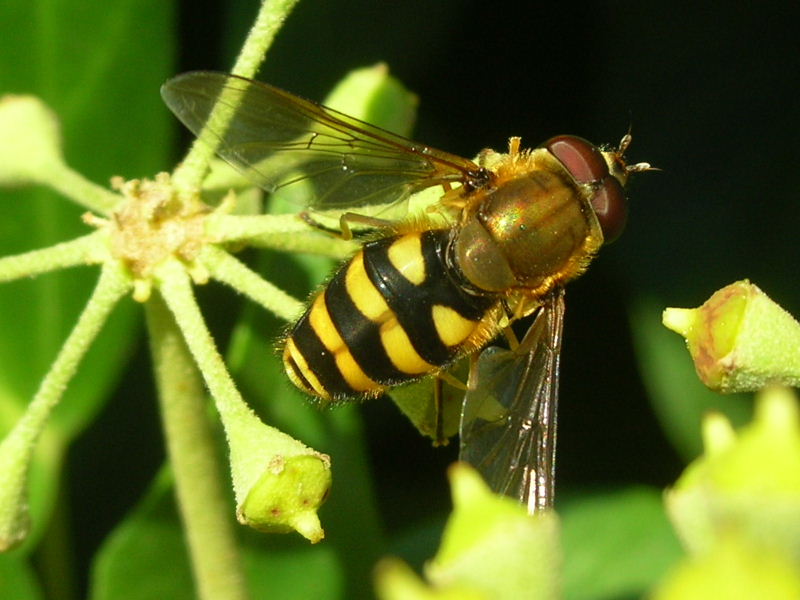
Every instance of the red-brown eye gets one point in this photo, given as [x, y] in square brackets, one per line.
[611, 208]
[586, 164]
[581, 158]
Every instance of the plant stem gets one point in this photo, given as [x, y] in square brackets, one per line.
[227, 269]
[268, 23]
[17, 449]
[282, 232]
[176, 289]
[110, 288]
[73, 253]
[204, 507]
[83, 192]
[271, 16]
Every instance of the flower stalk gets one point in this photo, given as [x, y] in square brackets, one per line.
[16, 450]
[271, 16]
[227, 269]
[279, 483]
[193, 453]
[81, 251]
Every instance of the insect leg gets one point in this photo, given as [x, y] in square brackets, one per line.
[373, 222]
[345, 232]
[511, 338]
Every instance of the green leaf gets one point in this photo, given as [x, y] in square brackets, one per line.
[17, 580]
[290, 569]
[145, 557]
[615, 545]
[417, 402]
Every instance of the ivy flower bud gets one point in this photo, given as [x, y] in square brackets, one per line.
[747, 483]
[30, 141]
[491, 548]
[286, 496]
[279, 483]
[740, 340]
[731, 570]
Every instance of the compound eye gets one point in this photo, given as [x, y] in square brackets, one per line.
[610, 208]
[581, 158]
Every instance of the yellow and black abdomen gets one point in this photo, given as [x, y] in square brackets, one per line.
[393, 313]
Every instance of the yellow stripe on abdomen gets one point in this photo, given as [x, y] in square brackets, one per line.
[299, 372]
[364, 294]
[400, 351]
[405, 255]
[323, 326]
[451, 327]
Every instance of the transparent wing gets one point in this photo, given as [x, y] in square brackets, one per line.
[275, 138]
[508, 421]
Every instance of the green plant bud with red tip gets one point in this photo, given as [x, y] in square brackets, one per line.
[740, 340]
[287, 496]
[279, 483]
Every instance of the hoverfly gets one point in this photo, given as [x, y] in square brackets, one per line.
[419, 297]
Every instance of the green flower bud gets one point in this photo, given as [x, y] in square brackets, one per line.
[395, 580]
[373, 95]
[30, 142]
[492, 548]
[279, 483]
[746, 484]
[740, 340]
[287, 495]
[731, 570]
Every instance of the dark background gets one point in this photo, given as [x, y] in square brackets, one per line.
[710, 93]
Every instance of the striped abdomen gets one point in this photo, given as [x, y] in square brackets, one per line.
[390, 315]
